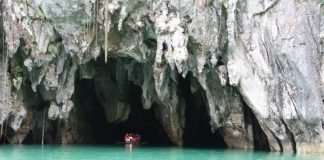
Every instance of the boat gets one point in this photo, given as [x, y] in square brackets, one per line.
[132, 138]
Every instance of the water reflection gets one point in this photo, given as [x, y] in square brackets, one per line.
[136, 152]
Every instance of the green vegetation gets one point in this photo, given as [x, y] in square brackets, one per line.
[18, 70]
[54, 48]
[223, 1]
[17, 67]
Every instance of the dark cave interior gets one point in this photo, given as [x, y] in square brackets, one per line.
[140, 121]
[197, 132]
[91, 124]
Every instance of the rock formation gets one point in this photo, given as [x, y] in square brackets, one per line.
[258, 64]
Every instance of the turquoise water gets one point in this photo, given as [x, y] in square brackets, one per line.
[36, 152]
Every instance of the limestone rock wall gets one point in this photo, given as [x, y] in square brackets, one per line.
[265, 54]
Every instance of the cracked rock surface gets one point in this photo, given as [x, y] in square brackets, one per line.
[264, 56]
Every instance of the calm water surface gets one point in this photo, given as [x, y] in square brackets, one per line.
[36, 152]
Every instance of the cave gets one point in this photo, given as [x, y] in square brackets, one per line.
[90, 124]
[140, 121]
[260, 141]
[197, 131]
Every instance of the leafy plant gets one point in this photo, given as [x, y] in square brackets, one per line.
[17, 69]
[54, 48]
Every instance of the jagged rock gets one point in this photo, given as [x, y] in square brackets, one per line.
[19, 135]
[53, 111]
[16, 120]
[113, 94]
[275, 62]
[170, 104]
[267, 55]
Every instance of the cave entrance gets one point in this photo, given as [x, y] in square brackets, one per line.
[260, 140]
[140, 121]
[197, 132]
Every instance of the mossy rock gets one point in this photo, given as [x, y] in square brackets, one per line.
[54, 48]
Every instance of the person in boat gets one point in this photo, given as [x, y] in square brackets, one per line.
[132, 138]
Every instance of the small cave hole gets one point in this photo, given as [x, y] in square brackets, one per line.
[220, 61]
[164, 47]
[259, 137]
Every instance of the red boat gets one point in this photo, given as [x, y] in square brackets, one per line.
[132, 138]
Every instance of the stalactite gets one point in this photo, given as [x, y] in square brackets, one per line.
[96, 21]
[89, 28]
[3, 48]
[86, 26]
[202, 6]
[32, 30]
[13, 35]
[106, 19]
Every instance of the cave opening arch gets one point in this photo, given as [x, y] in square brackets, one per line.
[197, 131]
[139, 120]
